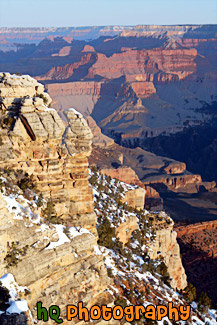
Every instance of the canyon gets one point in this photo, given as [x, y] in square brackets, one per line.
[148, 94]
[59, 261]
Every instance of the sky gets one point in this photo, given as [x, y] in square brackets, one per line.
[70, 13]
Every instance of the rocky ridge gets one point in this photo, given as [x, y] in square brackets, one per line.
[164, 244]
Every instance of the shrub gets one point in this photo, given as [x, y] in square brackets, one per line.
[1, 185]
[44, 98]
[162, 270]
[50, 213]
[8, 122]
[27, 182]
[120, 302]
[190, 293]
[7, 171]
[40, 199]
[204, 302]
[13, 255]
[1, 142]
[109, 272]
[106, 233]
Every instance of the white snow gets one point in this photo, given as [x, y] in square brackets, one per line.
[62, 238]
[97, 250]
[49, 109]
[19, 210]
[9, 282]
[75, 111]
[15, 305]
[18, 307]
[77, 231]
[43, 228]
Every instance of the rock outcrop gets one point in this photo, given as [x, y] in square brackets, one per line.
[39, 144]
[99, 139]
[153, 201]
[68, 273]
[123, 174]
[56, 271]
[125, 230]
[165, 245]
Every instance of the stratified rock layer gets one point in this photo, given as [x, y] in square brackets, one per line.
[39, 143]
[165, 245]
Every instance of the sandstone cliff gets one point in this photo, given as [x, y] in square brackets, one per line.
[165, 245]
[39, 143]
[56, 268]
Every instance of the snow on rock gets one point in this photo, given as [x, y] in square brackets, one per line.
[9, 282]
[49, 109]
[97, 250]
[43, 228]
[19, 210]
[15, 305]
[62, 237]
[77, 231]
[75, 111]
[18, 307]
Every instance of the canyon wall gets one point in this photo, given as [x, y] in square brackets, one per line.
[56, 269]
[59, 268]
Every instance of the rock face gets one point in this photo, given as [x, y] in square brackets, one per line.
[143, 63]
[67, 71]
[153, 201]
[198, 247]
[125, 230]
[135, 197]
[175, 168]
[124, 174]
[99, 139]
[71, 272]
[166, 246]
[85, 33]
[82, 95]
[40, 144]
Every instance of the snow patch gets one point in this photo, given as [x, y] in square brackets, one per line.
[75, 111]
[62, 238]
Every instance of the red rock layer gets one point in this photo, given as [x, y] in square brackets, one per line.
[146, 62]
[66, 71]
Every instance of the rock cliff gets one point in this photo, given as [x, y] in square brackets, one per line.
[198, 247]
[165, 245]
[40, 144]
[56, 268]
